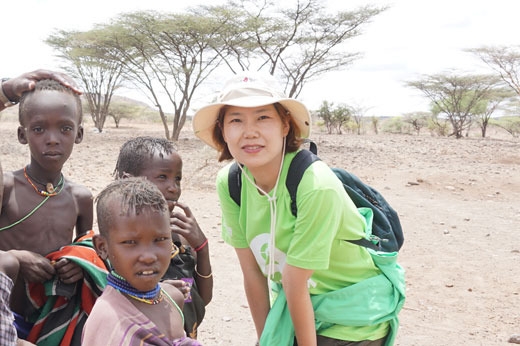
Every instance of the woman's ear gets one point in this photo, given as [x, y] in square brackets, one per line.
[286, 128]
[100, 244]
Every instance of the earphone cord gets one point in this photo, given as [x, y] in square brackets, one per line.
[272, 209]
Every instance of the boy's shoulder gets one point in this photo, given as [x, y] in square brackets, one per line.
[9, 178]
[174, 293]
[78, 190]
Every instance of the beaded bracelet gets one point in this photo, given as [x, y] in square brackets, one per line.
[201, 246]
[203, 276]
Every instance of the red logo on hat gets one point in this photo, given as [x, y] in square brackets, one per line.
[245, 79]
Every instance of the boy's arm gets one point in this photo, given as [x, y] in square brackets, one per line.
[185, 225]
[85, 210]
[70, 272]
[33, 267]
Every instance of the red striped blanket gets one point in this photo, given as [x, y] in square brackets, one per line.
[62, 309]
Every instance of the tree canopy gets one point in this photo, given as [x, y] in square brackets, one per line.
[167, 56]
[457, 96]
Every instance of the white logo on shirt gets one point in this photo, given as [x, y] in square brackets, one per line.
[260, 248]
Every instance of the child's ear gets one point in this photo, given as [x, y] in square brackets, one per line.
[22, 136]
[126, 175]
[100, 244]
[79, 135]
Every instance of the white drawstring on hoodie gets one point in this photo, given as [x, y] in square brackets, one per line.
[272, 209]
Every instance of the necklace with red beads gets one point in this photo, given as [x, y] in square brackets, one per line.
[50, 191]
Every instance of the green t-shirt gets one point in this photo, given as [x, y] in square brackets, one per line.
[314, 240]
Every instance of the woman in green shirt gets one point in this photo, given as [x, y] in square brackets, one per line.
[294, 267]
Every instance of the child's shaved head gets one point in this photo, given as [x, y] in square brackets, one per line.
[132, 195]
[52, 85]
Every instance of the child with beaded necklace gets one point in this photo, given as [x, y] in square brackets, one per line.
[157, 160]
[41, 209]
[135, 238]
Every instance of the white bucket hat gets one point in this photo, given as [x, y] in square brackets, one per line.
[247, 90]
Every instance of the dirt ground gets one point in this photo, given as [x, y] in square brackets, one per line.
[459, 203]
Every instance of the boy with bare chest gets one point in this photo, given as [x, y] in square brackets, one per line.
[40, 207]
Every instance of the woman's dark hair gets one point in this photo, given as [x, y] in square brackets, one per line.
[292, 140]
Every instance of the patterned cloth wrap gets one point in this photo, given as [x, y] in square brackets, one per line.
[60, 310]
[116, 321]
[7, 329]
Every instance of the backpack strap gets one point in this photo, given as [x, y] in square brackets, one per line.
[235, 182]
[299, 164]
[313, 148]
[366, 243]
[302, 160]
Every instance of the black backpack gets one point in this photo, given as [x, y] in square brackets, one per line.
[387, 234]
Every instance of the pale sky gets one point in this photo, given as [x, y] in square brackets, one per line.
[412, 38]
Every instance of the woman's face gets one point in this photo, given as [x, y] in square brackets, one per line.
[255, 136]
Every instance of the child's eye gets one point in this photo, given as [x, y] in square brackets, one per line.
[235, 120]
[37, 129]
[162, 177]
[66, 129]
[264, 117]
[178, 178]
[128, 242]
[160, 239]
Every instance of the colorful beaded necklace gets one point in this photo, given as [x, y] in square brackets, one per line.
[51, 189]
[151, 297]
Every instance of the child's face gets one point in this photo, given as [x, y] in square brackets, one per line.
[138, 246]
[166, 174]
[50, 127]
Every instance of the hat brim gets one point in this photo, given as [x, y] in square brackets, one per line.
[205, 119]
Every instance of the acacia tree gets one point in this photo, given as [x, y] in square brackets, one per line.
[341, 116]
[505, 60]
[418, 120]
[119, 109]
[334, 117]
[100, 77]
[489, 105]
[456, 96]
[358, 114]
[325, 112]
[510, 120]
[167, 56]
[297, 44]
